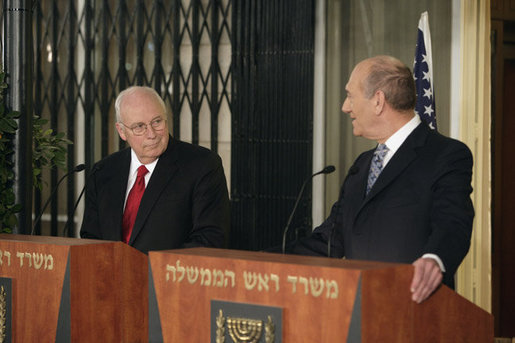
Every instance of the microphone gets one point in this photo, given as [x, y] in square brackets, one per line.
[352, 171]
[78, 168]
[96, 168]
[326, 170]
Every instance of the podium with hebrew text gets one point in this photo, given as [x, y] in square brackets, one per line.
[59, 289]
[214, 295]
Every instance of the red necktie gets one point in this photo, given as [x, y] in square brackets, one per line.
[132, 205]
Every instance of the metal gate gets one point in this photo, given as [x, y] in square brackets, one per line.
[87, 51]
[237, 76]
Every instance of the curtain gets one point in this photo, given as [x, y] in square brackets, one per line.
[271, 119]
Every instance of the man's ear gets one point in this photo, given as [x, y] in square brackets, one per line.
[121, 131]
[379, 102]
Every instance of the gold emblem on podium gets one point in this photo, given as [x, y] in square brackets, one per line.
[269, 331]
[244, 330]
[3, 313]
[220, 327]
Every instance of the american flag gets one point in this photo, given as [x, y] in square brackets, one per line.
[423, 74]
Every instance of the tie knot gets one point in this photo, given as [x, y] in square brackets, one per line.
[142, 171]
[381, 150]
[381, 147]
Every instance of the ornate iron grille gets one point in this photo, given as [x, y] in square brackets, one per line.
[257, 109]
[86, 51]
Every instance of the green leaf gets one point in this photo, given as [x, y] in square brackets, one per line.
[12, 221]
[9, 197]
[49, 151]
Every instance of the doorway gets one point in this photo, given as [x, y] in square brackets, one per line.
[503, 151]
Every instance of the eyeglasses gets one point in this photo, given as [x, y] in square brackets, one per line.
[139, 129]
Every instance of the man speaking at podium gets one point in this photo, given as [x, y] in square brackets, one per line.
[408, 200]
[159, 193]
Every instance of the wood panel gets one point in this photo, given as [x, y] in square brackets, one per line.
[372, 298]
[503, 9]
[503, 279]
[75, 290]
[37, 289]
[180, 302]
[506, 233]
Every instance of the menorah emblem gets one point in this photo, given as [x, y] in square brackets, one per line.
[3, 313]
[243, 330]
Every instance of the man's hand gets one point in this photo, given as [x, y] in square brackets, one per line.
[426, 279]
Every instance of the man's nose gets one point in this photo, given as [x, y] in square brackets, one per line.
[151, 133]
[345, 106]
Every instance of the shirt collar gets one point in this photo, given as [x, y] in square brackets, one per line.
[135, 164]
[395, 141]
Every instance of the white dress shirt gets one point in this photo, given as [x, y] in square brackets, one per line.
[133, 173]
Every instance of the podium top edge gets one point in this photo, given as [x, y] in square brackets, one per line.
[66, 241]
[279, 258]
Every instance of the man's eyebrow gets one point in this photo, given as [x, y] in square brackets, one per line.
[156, 117]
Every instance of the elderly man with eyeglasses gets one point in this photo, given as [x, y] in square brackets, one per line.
[159, 193]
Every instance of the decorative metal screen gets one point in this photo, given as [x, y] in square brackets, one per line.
[236, 74]
[87, 51]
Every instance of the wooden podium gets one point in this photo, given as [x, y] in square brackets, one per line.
[73, 290]
[319, 300]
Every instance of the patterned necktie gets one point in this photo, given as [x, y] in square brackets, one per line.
[377, 165]
[132, 205]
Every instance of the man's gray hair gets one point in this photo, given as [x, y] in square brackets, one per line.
[394, 79]
[132, 90]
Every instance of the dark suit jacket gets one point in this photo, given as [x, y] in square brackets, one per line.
[185, 202]
[419, 204]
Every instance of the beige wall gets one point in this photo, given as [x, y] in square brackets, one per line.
[475, 273]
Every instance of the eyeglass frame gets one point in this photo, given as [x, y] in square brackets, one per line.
[136, 125]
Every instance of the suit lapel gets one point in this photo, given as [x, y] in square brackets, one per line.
[165, 169]
[118, 186]
[359, 184]
[406, 153]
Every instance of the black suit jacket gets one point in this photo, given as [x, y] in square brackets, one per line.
[185, 202]
[419, 204]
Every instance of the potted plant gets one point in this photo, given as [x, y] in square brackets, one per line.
[49, 151]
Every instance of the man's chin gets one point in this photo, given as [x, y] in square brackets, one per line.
[154, 153]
